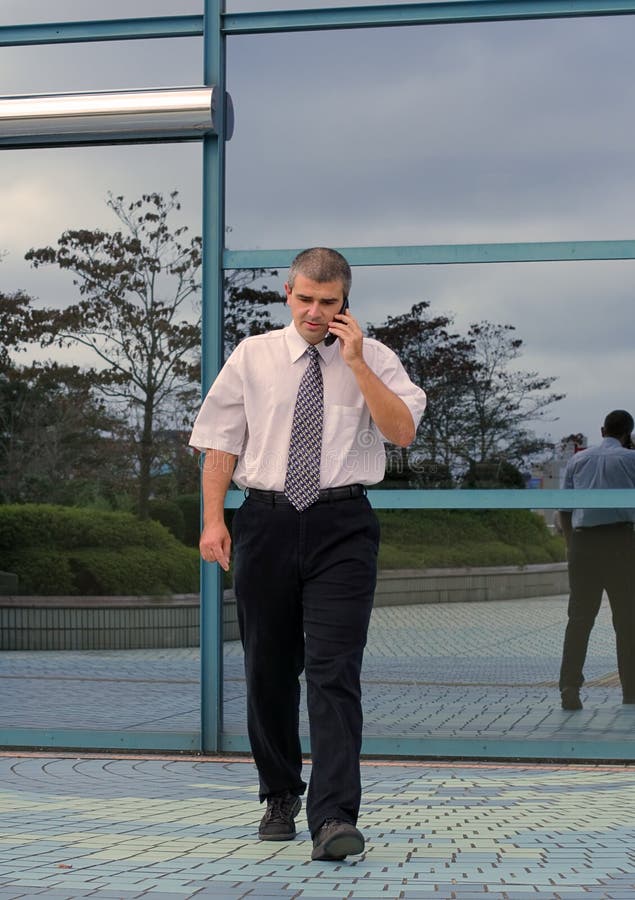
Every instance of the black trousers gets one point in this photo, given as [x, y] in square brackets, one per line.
[304, 585]
[600, 559]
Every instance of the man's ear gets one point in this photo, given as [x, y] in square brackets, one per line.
[287, 291]
[601, 429]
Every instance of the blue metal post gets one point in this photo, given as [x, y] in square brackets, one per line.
[212, 356]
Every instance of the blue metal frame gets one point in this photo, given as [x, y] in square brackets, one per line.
[101, 30]
[215, 25]
[383, 16]
[446, 254]
[98, 739]
[444, 748]
[486, 499]
[212, 358]
[446, 12]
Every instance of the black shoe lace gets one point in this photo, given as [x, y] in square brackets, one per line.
[279, 809]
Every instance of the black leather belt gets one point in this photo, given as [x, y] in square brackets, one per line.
[328, 495]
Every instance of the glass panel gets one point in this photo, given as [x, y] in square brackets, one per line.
[471, 606]
[472, 652]
[560, 332]
[101, 66]
[509, 131]
[22, 12]
[100, 632]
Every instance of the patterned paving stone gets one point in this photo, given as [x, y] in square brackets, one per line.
[455, 670]
[108, 828]
[80, 826]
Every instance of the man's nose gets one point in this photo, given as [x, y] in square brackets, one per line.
[314, 310]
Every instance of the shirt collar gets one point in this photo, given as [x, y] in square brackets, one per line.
[296, 345]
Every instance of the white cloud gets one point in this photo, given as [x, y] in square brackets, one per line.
[472, 133]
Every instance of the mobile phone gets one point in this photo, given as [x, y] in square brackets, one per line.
[330, 337]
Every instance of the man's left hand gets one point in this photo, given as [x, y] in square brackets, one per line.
[350, 335]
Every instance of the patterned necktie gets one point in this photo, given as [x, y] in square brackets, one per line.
[302, 483]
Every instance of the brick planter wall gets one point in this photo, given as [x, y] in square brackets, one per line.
[127, 623]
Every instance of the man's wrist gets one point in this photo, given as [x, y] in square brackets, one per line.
[359, 367]
[213, 518]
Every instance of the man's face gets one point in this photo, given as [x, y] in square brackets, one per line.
[313, 304]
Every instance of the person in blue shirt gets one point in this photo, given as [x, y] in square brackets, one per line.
[601, 557]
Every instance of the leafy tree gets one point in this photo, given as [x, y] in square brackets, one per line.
[442, 362]
[246, 307]
[58, 443]
[498, 474]
[503, 400]
[478, 406]
[17, 322]
[572, 443]
[139, 312]
[137, 287]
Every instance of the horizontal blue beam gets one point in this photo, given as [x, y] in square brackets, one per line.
[445, 254]
[101, 30]
[425, 747]
[503, 499]
[262, 22]
[95, 739]
[484, 499]
[449, 11]
[498, 748]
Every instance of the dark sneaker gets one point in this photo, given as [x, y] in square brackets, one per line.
[277, 823]
[571, 698]
[335, 840]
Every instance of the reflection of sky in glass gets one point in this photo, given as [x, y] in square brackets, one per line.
[463, 133]
[22, 12]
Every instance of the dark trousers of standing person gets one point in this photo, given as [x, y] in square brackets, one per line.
[304, 585]
[600, 559]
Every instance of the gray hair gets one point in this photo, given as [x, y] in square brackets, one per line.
[321, 264]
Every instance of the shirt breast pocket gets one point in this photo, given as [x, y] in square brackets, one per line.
[345, 426]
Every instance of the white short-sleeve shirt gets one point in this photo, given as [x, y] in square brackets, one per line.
[248, 410]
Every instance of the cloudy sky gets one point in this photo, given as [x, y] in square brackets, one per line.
[470, 133]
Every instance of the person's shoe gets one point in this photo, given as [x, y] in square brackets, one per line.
[336, 840]
[570, 697]
[278, 824]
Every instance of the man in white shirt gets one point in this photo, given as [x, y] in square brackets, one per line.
[303, 433]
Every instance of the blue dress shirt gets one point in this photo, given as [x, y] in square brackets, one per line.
[609, 465]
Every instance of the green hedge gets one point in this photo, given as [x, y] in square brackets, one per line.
[169, 514]
[66, 550]
[190, 506]
[440, 538]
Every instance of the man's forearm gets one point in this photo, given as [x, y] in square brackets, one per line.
[218, 469]
[388, 411]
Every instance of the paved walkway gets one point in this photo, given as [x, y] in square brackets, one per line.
[74, 825]
[119, 828]
[456, 670]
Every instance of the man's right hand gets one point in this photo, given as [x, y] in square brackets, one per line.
[215, 544]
